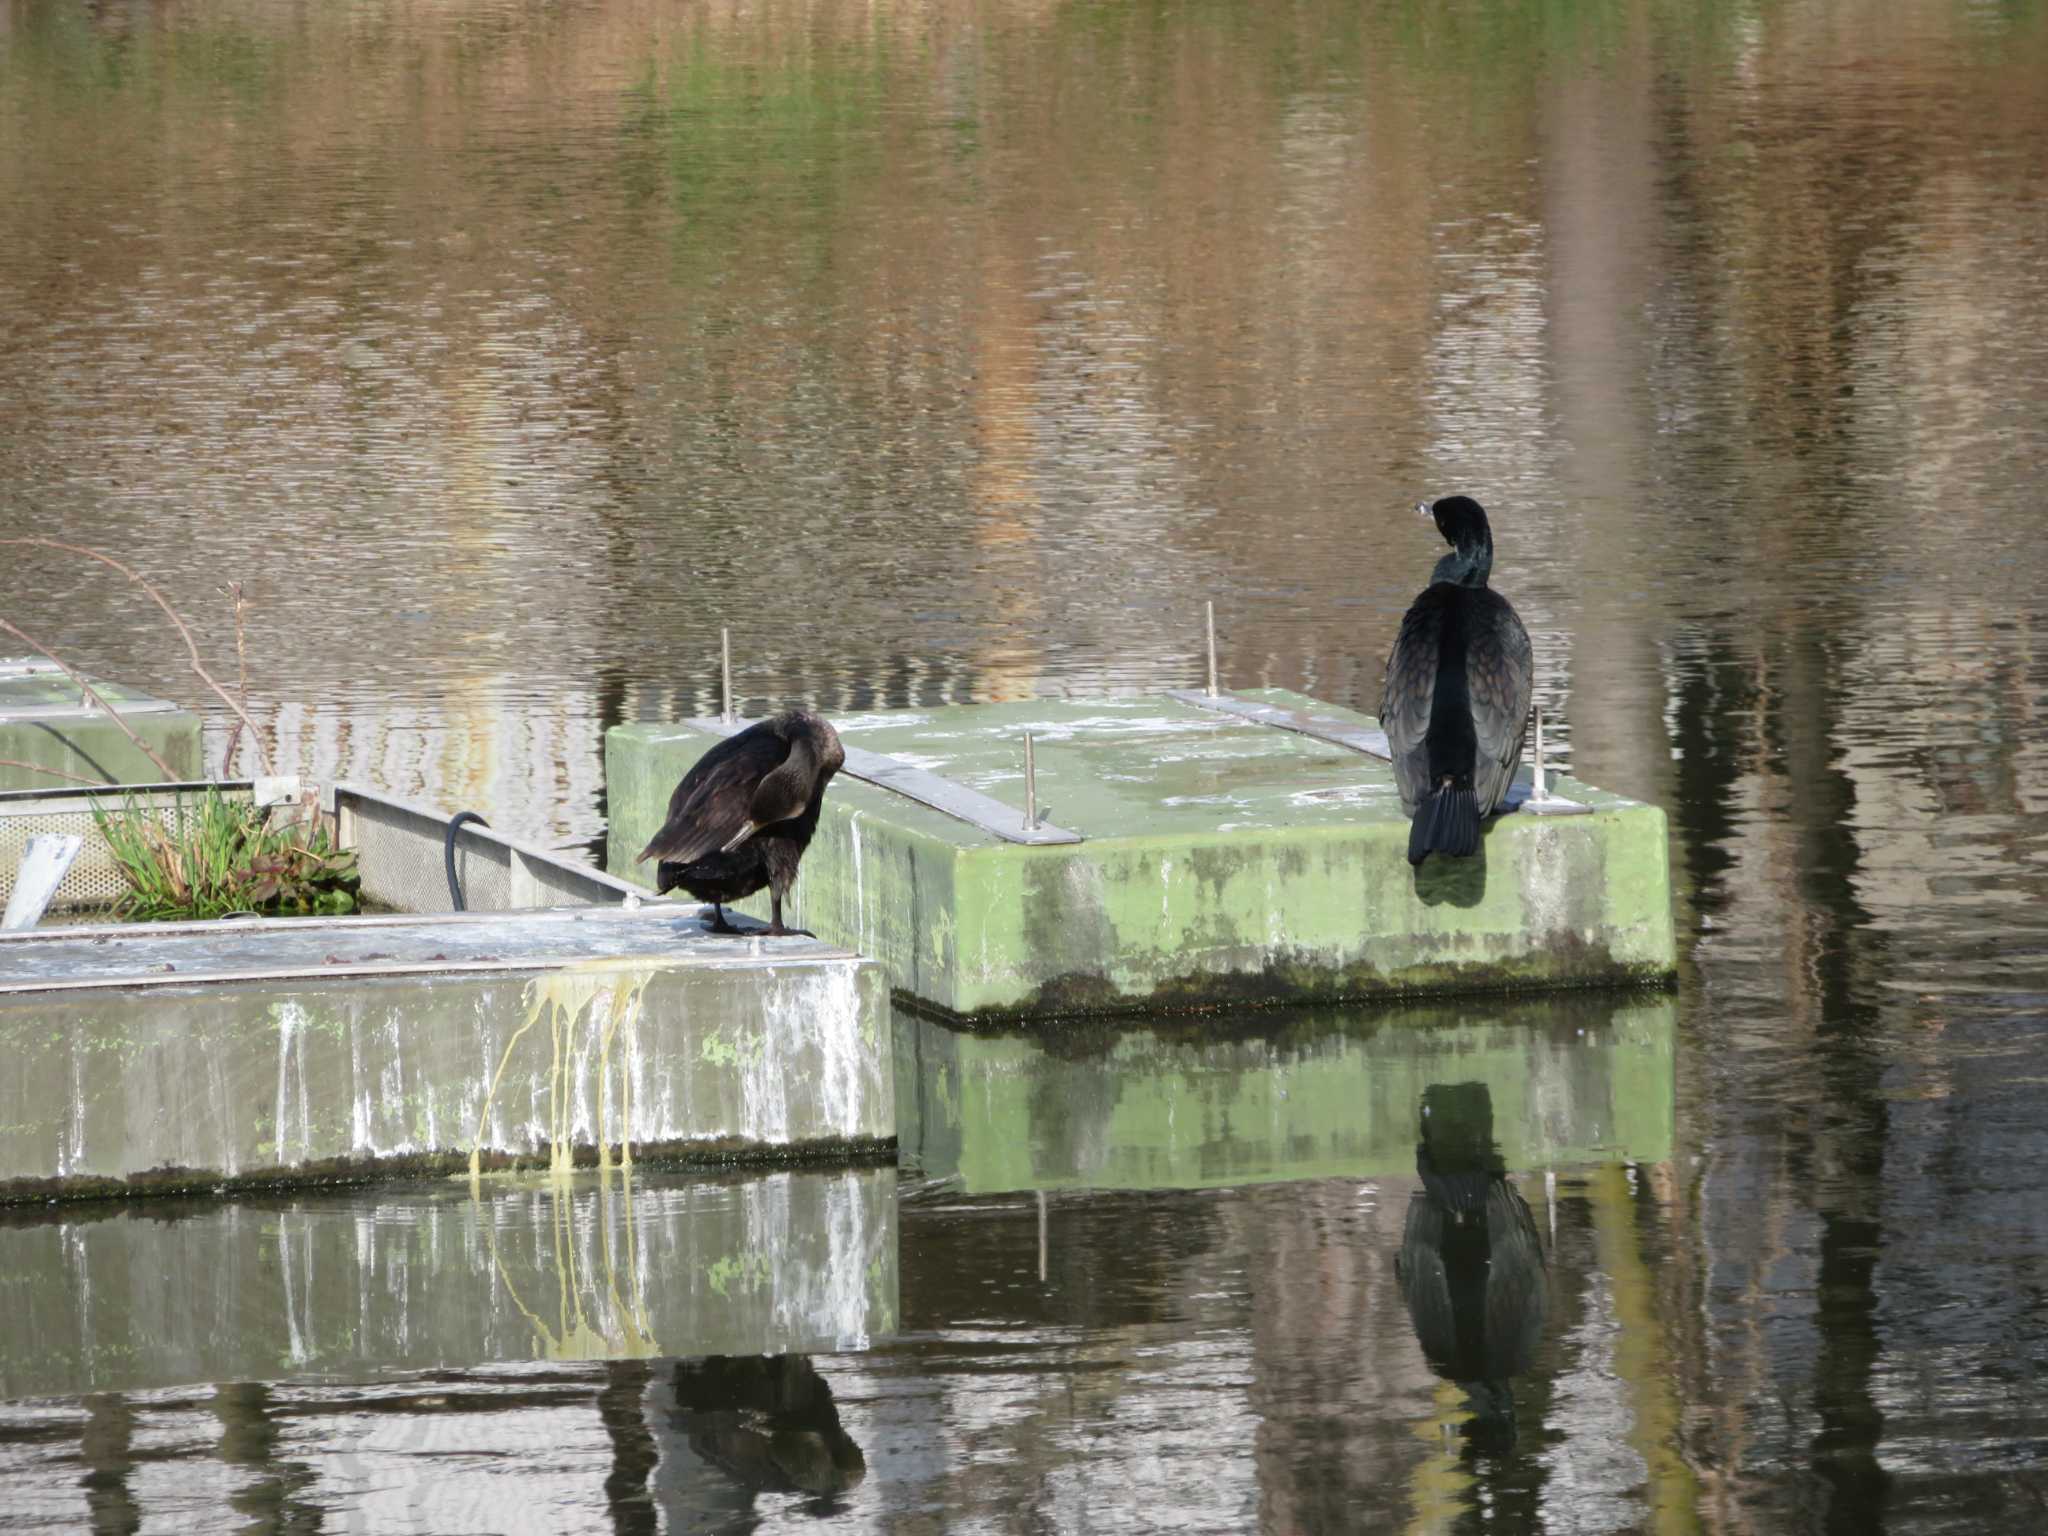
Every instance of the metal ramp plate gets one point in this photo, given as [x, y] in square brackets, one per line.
[1358, 738]
[926, 788]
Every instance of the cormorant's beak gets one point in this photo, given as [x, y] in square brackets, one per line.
[1422, 509]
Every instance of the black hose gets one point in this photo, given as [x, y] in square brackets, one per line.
[448, 854]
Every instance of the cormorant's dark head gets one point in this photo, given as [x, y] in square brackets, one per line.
[1462, 522]
[1457, 1157]
[811, 736]
[824, 741]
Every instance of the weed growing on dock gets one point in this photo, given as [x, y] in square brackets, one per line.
[219, 856]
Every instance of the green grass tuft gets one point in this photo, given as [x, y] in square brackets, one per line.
[219, 856]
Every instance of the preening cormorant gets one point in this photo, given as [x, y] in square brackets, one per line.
[744, 813]
[1457, 697]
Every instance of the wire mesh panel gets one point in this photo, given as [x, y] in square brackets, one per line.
[402, 853]
[484, 866]
[95, 880]
[398, 852]
[560, 882]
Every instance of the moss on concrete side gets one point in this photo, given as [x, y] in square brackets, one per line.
[348, 1172]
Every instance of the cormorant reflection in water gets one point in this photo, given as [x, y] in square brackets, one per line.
[1471, 1266]
[741, 1425]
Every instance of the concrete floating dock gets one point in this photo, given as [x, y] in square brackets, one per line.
[48, 723]
[1292, 1094]
[1206, 858]
[210, 1055]
[360, 1285]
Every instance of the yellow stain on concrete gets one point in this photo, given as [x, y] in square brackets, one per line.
[567, 996]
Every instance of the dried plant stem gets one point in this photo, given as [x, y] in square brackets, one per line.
[86, 688]
[170, 613]
[227, 761]
[55, 773]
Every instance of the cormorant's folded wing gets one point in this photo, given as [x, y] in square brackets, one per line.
[1409, 693]
[709, 807]
[1500, 670]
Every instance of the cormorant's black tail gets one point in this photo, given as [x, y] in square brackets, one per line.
[1446, 822]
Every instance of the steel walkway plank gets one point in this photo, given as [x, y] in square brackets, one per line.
[926, 788]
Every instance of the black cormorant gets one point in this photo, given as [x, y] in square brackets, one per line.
[1457, 697]
[744, 813]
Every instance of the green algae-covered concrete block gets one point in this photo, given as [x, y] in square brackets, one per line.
[1224, 861]
[47, 723]
[1290, 1094]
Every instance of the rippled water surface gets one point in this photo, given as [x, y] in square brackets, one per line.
[504, 351]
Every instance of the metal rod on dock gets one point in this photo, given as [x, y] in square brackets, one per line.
[1211, 606]
[1030, 785]
[1043, 1245]
[1536, 789]
[725, 672]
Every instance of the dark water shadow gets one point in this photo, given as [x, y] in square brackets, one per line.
[1471, 1266]
[729, 1427]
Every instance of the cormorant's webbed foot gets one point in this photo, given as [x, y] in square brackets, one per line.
[718, 924]
[777, 931]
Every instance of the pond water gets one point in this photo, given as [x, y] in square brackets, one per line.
[505, 351]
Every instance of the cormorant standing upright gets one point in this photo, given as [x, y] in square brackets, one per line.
[1459, 679]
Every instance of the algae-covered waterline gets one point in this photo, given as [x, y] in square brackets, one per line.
[960, 354]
